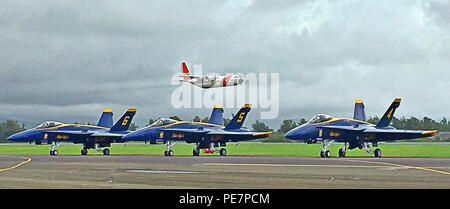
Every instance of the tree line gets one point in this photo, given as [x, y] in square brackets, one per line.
[10, 127]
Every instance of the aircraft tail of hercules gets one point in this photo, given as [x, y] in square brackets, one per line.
[387, 117]
[106, 119]
[217, 115]
[239, 118]
[124, 122]
[359, 113]
[185, 68]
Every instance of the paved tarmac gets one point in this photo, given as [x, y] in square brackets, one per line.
[230, 172]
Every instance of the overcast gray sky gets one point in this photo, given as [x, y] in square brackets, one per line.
[68, 60]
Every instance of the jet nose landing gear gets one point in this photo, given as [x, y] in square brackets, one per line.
[53, 151]
[325, 152]
[169, 152]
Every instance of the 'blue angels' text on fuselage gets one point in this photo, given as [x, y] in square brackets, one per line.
[204, 135]
[356, 132]
[91, 136]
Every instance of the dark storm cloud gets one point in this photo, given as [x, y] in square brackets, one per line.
[90, 55]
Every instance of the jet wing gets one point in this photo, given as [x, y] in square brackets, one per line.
[215, 135]
[219, 135]
[344, 128]
[86, 133]
[192, 131]
[371, 134]
[394, 134]
[238, 133]
[107, 134]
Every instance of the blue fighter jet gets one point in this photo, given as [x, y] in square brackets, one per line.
[208, 136]
[92, 137]
[356, 132]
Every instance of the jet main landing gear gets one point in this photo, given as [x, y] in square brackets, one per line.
[105, 151]
[212, 149]
[376, 153]
[343, 150]
[223, 152]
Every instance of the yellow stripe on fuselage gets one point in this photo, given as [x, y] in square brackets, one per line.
[190, 122]
[338, 119]
[76, 125]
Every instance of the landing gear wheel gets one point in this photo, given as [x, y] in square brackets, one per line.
[195, 152]
[84, 152]
[322, 154]
[377, 153]
[53, 152]
[341, 152]
[327, 153]
[223, 152]
[165, 153]
[106, 151]
[170, 153]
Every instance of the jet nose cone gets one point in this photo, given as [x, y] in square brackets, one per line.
[290, 134]
[22, 136]
[29, 135]
[297, 133]
[13, 137]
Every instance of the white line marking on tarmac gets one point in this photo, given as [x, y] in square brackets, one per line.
[297, 165]
[160, 171]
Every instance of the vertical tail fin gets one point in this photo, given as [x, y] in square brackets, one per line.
[106, 119]
[359, 113]
[239, 118]
[124, 122]
[185, 68]
[216, 115]
[387, 117]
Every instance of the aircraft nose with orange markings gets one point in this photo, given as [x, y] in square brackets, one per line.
[91, 136]
[356, 132]
[208, 136]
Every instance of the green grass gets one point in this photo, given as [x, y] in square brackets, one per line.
[281, 149]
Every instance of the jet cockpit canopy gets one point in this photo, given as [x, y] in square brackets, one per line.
[163, 121]
[48, 124]
[320, 118]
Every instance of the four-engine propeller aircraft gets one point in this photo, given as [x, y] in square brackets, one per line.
[92, 137]
[356, 132]
[211, 81]
[205, 135]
